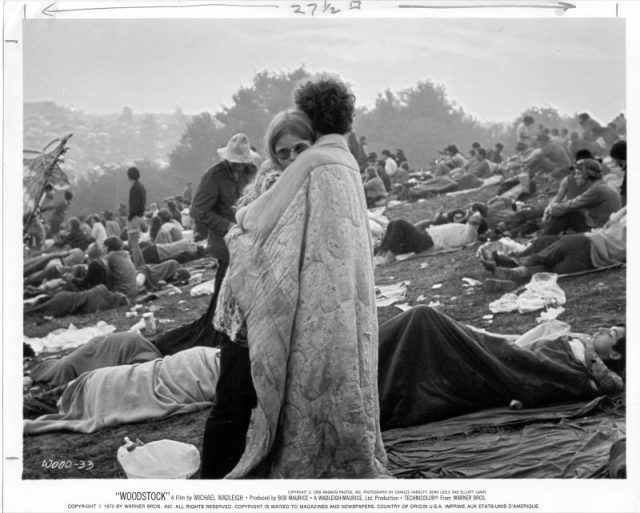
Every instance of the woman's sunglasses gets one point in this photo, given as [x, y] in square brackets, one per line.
[285, 153]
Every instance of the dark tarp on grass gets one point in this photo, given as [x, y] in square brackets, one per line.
[561, 441]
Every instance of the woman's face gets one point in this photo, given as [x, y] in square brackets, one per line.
[581, 176]
[605, 338]
[288, 147]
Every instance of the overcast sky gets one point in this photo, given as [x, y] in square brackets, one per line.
[493, 68]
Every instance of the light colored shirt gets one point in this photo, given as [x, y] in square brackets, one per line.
[390, 166]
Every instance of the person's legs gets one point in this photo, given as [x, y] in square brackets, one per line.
[217, 248]
[133, 238]
[226, 428]
[403, 237]
[538, 244]
[570, 221]
[569, 254]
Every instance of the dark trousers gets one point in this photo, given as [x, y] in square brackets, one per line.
[567, 254]
[226, 428]
[217, 248]
[403, 237]
[570, 221]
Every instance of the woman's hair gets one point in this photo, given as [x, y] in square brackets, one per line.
[591, 168]
[291, 121]
[172, 205]
[156, 224]
[371, 171]
[74, 224]
[328, 102]
[481, 151]
[95, 252]
[164, 215]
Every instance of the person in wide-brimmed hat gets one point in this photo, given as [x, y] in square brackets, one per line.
[220, 187]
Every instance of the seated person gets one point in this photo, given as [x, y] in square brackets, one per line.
[599, 201]
[571, 186]
[479, 165]
[618, 153]
[174, 211]
[553, 158]
[403, 237]
[76, 303]
[567, 254]
[111, 226]
[96, 272]
[122, 272]
[382, 173]
[98, 232]
[75, 238]
[186, 220]
[181, 251]
[374, 189]
[453, 160]
[432, 367]
[170, 230]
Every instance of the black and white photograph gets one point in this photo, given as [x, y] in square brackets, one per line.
[344, 255]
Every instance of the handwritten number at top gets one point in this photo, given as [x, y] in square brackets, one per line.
[327, 7]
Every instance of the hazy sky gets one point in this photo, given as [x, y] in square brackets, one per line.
[493, 68]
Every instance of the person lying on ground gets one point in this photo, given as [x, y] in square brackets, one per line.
[122, 272]
[181, 251]
[76, 303]
[432, 367]
[151, 276]
[598, 202]
[51, 266]
[403, 237]
[566, 254]
[170, 230]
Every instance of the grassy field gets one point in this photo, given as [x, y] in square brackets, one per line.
[585, 310]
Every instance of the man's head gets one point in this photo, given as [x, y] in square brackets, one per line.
[583, 117]
[499, 147]
[328, 102]
[618, 151]
[113, 243]
[133, 173]
[528, 120]
[452, 149]
[611, 346]
[588, 170]
[542, 139]
[386, 153]
[68, 196]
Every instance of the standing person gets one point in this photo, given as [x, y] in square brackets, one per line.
[302, 270]
[524, 130]
[135, 219]
[390, 165]
[220, 187]
[187, 194]
[287, 136]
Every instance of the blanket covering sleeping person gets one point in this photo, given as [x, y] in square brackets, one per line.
[102, 351]
[182, 383]
[433, 367]
[313, 347]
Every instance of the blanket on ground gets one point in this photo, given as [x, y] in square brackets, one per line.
[302, 273]
[570, 440]
[432, 367]
[102, 351]
[172, 385]
[70, 303]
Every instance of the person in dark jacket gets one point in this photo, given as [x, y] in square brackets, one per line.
[220, 187]
[135, 220]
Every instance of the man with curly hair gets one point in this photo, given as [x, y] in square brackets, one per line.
[301, 270]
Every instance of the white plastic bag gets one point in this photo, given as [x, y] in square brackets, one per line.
[542, 291]
[163, 459]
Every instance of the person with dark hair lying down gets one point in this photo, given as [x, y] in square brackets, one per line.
[432, 367]
[181, 251]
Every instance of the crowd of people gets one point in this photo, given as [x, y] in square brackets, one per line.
[294, 304]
